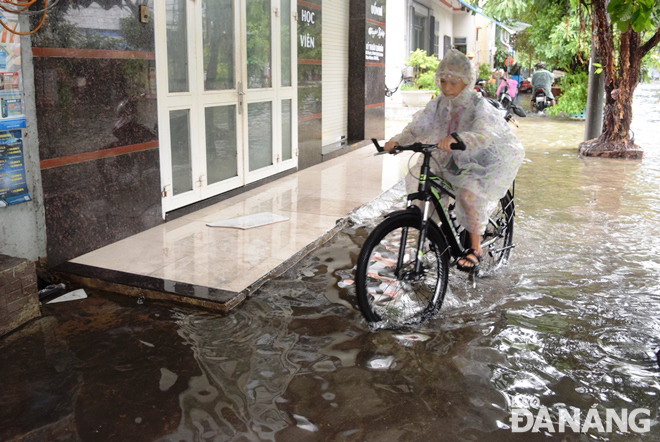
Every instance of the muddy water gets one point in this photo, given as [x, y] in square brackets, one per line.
[571, 323]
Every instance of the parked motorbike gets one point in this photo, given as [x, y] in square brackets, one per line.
[508, 111]
[525, 86]
[505, 98]
[480, 87]
[540, 100]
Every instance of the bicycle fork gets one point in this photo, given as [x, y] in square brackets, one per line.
[423, 228]
[419, 252]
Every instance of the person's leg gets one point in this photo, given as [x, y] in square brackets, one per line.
[468, 203]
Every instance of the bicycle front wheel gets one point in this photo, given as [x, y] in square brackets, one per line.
[398, 294]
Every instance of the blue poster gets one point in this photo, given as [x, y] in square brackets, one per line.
[13, 183]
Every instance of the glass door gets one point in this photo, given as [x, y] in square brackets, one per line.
[218, 74]
[226, 95]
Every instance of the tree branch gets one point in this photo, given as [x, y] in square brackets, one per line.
[650, 44]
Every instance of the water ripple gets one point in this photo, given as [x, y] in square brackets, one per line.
[572, 321]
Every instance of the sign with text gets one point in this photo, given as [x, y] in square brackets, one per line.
[309, 32]
[374, 50]
[13, 183]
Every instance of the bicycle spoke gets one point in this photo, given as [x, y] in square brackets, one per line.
[498, 238]
[399, 294]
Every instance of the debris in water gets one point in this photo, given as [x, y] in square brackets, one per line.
[381, 363]
[305, 424]
[51, 290]
[414, 337]
[345, 283]
[71, 296]
[167, 379]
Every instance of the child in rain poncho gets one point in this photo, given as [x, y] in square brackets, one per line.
[481, 174]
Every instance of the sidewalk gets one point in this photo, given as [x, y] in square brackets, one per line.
[185, 260]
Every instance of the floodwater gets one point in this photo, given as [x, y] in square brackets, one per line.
[570, 325]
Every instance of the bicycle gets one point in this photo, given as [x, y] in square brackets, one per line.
[403, 266]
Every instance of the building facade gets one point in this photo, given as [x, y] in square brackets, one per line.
[435, 26]
[138, 112]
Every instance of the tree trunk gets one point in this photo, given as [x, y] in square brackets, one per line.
[615, 140]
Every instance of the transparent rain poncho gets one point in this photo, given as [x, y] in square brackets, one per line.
[483, 172]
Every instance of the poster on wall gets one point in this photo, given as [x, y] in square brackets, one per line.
[13, 183]
[11, 85]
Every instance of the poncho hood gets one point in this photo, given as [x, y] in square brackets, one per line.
[455, 64]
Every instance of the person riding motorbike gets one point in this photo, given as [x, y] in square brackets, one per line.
[542, 79]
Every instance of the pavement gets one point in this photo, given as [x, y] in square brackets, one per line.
[186, 261]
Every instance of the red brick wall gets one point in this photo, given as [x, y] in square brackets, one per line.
[19, 300]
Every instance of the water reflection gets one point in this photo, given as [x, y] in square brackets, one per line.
[245, 371]
[571, 322]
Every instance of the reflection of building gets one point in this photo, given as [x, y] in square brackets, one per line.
[246, 367]
[99, 21]
[144, 111]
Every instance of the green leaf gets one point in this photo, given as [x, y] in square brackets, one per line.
[640, 20]
[614, 6]
[623, 25]
[635, 18]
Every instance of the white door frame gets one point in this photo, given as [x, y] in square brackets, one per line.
[196, 100]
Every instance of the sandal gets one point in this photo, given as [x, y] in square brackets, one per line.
[467, 257]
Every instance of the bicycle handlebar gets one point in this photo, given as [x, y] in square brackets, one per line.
[419, 147]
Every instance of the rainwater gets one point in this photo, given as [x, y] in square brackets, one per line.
[572, 322]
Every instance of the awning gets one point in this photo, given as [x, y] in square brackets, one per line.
[515, 27]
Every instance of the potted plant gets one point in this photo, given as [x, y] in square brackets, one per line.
[423, 87]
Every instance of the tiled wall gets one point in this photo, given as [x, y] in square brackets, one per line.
[101, 177]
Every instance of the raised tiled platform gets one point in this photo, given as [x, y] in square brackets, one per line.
[185, 261]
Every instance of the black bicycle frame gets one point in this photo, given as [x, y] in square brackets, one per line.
[429, 191]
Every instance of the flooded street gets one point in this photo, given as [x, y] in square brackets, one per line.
[572, 323]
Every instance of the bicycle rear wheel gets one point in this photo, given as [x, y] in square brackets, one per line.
[400, 296]
[498, 239]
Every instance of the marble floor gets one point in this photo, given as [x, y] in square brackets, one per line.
[188, 251]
